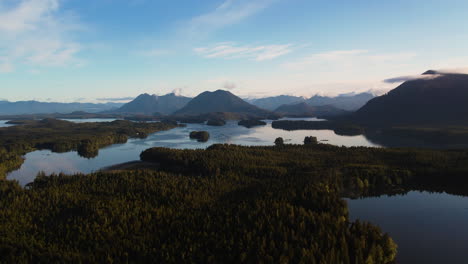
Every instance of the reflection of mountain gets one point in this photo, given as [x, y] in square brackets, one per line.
[419, 138]
[441, 100]
[151, 104]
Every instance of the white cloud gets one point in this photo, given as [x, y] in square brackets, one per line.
[232, 51]
[228, 13]
[357, 59]
[401, 79]
[34, 33]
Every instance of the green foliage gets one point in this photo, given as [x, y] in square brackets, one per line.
[279, 141]
[62, 136]
[225, 204]
[249, 123]
[310, 140]
[200, 136]
[216, 122]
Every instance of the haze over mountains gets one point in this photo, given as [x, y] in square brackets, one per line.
[440, 100]
[152, 104]
[348, 102]
[35, 107]
[271, 103]
[304, 109]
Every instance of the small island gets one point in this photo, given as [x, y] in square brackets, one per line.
[216, 122]
[200, 136]
[251, 123]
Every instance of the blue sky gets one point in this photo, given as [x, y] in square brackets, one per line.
[83, 50]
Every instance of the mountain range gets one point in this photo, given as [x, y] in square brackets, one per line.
[146, 104]
[304, 109]
[440, 99]
[348, 102]
[272, 103]
[219, 101]
[35, 107]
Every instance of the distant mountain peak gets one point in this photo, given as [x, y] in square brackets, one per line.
[218, 101]
[150, 104]
[431, 72]
[440, 100]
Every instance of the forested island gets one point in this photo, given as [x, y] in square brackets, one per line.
[62, 136]
[228, 203]
[249, 123]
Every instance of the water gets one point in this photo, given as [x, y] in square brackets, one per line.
[428, 227]
[231, 133]
[85, 120]
[4, 124]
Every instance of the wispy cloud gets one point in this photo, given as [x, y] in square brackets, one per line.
[228, 13]
[232, 51]
[34, 33]
[401, 79]
[438, 73]
[349, 58]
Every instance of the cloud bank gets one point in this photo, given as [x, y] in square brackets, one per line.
[34, 33]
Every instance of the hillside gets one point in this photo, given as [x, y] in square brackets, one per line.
[441, 100]
[151, 104]
[303, 109]
[344, 101]
[219, 101]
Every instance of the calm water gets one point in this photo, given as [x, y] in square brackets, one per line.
[71, 162]
[428, 227]
[4, 124]
[90, 120]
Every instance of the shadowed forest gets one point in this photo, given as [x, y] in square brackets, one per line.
[227, 204]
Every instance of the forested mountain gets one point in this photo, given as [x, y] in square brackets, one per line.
[35, 107]
[150, 104]
[348, 102]
[272, 103]
[426, 101]
[218, 101]
[303, 109]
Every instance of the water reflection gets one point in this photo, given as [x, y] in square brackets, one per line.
[89, 120]
[422, 224]
[178, 138]
[3, 123]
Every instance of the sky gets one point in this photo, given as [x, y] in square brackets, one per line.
[113, 50]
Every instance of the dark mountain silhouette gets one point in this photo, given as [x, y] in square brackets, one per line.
[440, 100]
[303, 109]
[272, 103]
[348, 102]
[35, 107]
[219, 101]
[151, 104]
